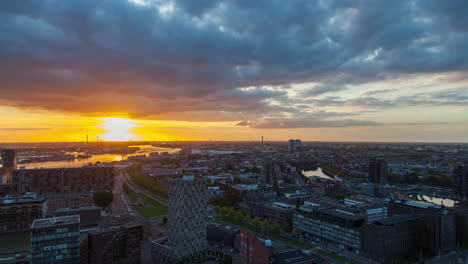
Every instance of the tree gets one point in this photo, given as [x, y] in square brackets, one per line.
[256, 222]
[239, 216]
[247, 219]
[217, 209]
[276, 228]
[164, 220]
[266, 224]
[103, 198]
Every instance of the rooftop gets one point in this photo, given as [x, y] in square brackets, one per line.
[397, 219]
[56, 221]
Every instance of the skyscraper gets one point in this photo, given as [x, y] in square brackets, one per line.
[186, 220]
[9, 158]
[378, 171]
[56, 240]
[461, 181]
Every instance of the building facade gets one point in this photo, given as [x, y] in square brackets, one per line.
[63, 180]
[55, 240]
[391, 240]
[187, 235]
[460, 184]
[378, 171]
[331, 223]
[252, 249]
[17, 213]
[113, 245]
[9, 158]
[439, 223]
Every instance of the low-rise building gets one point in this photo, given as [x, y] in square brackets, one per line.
[279, 213]
[254, 250]
[331, 222]
[89, 215]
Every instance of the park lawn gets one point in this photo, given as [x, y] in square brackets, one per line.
[154, 209]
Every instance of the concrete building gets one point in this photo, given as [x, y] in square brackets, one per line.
[63, 180]
[460, 184]
[279, 213]
[17, 213]
[376, 209]
[9, 158]
[391, 240]
[254, 250]
[113, 245]
[65, 200]
[186, 220]
[5, 175]
[55, 240]
[439, 223]
[331, 222]
[89, 215]
[378, 171]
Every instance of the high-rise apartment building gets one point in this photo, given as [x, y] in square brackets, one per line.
[461, 181]
[55, 240]
[9, 158]
[63, 180]
[186, 220]
[378, 170]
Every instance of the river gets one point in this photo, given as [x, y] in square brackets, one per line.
[318, 172]
[434, 200]
[144, 149]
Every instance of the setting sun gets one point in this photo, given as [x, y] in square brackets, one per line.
[119, 129]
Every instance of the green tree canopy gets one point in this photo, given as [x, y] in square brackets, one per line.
[103, 198]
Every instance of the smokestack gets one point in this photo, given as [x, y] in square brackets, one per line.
[86, 138]
[262, 141]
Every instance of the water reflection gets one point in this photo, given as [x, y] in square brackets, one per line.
[318, 172]
[144, 149]
[434, 200]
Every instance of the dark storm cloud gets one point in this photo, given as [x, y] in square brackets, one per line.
[174, 57]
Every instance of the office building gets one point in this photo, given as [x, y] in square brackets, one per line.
[279, 213]
[63, 180]
[186, 220]
[460, 183]
[55, 240]
[331, 222]
[9, 158]
[391, 240]
[439, 223]
[17, 213]
[375, 209]
[67, 200]
[378, 170]
[113, 245]
[254, 250]
[5, 175]
[294, 144]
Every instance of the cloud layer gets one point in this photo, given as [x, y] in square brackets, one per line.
[234, 59]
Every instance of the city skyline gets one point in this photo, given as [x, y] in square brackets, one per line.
[154, 70]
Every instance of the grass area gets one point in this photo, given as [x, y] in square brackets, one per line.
[275, 236]
[14, 242]
[146, 182]
[154, 208]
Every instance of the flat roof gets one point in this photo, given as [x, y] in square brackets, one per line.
[55, 221]
[397, 219]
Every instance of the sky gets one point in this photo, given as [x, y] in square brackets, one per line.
[335, 70]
